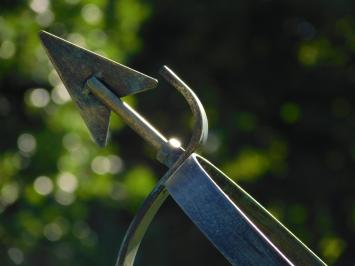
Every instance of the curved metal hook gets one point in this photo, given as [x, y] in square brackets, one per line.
[155, 199]
[200, 130]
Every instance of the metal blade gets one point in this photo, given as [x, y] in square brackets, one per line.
[75, 65]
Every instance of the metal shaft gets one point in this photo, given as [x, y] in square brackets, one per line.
[173, 158]
[127, 113]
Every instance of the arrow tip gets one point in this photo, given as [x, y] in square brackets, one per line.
[75, 65]
[62, 55]
[43, 35]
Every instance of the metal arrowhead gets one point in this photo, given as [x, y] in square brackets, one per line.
[75, 65]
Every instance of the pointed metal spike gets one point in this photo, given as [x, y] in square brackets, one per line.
[75, 65]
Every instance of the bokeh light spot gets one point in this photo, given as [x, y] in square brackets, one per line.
[16, 255]
[39, 6]
[39, 97]
[60, 95]
[53, 232]
[26, 143]
[45, 19]
[332, 248]
[101, 165]
[7, 49]
[54, 78]
[43, 185]
[64, 198]
[9, 193]
[116, 164]
[67, 182]
[248, 166]
[92, 14]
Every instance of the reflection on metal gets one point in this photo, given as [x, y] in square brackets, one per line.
[236, 224]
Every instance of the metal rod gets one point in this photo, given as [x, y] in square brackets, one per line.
[127, 113]
[200, 131]
[155, 199]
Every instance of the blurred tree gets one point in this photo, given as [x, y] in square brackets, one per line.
[58, 192]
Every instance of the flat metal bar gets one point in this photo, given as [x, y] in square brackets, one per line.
[220, 219]
[274, 230]
[127, 114]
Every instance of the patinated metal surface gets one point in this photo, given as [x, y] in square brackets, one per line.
[75, 65]
[131, 117]
[240, 228]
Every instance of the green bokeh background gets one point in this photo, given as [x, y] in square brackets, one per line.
[276, 79]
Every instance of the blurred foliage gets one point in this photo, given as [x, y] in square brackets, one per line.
[275, 78]
[50, 171]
